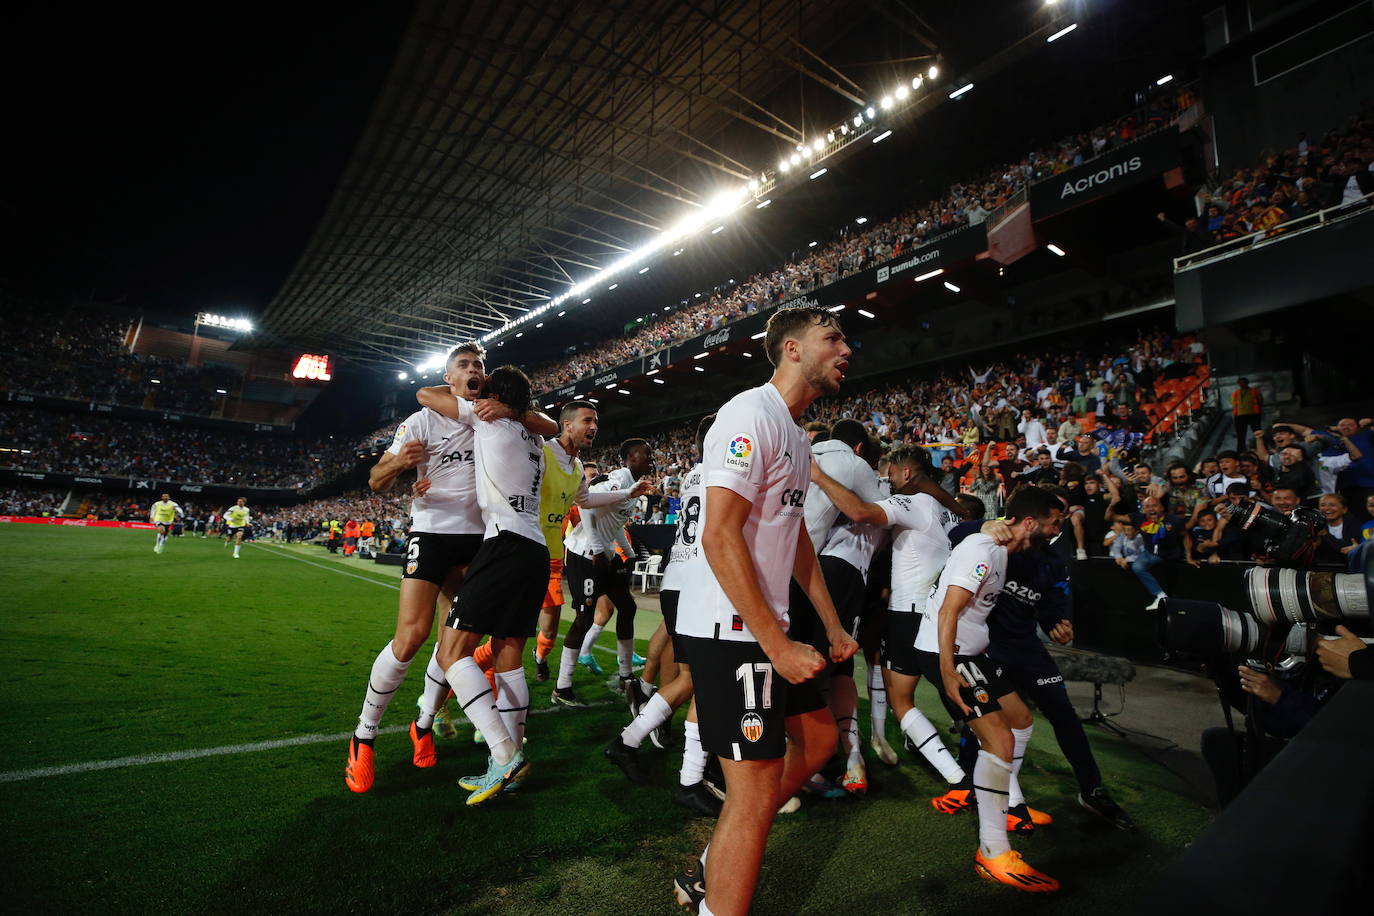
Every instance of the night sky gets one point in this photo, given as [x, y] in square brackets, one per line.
[178, 164]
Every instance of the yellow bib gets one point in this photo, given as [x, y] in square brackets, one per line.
[556, 494]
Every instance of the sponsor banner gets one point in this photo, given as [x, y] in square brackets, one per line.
[138, 413]
[1113, 171]
[71, 522]
[946, 250]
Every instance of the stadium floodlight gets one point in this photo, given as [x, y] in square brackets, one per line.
[818, 173]
[961, 90]
[400, 375]
[720, 228]
[763, 203]
[595, 400]
[806, 153]
[858, 120]
[588, 299]
[916, 81]
[613, 286]
[612, 385]
[698, 368]
[658, 381]
[951, 287]
[519, 334]
[548, 407]
[222, 391]
[678, 252]
[753, 184]
[933, 273]
[1056, 249]
[644, 270]
[886, 102]
[870, 113]
[933, 72]
[539, 325]
[1164, 79]
[622, 391]
[867, 314]
[836, 308]
[861, 220]
[757, 336]
[902, 92]
[561, 314]
[155, 381]
[1062, 32]
[784, 165]
[702, 355]
[882, 136]
[795, 159]
[652, 372]
[811, 245]
[748, 354]
[819, 144]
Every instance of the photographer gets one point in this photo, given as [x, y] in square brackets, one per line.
[1346, 656]
[1277, 706]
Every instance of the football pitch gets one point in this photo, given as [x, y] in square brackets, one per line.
[175, 734]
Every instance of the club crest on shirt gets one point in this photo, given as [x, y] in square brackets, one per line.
[411, 567]
[981, 695]
[980, 572]
[751, 726]
[739, 454]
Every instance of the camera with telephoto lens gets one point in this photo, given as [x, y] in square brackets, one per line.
[1291, 540]
[1286, 611]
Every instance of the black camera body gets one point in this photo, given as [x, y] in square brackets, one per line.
[1291, 540]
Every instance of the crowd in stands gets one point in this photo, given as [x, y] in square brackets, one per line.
[1282, 186]
[40, 440]
[81, 354]
[857, 249]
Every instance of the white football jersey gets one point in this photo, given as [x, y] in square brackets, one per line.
[758, 451]
[510, 465]
[920, 548]
[450, 506]
[853, 542]
[980, 566]
[839, 462]
[687, 540]
[599, 530]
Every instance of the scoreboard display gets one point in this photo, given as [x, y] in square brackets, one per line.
[312, 366]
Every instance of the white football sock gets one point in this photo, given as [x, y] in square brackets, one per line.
[844, 703]
[693, 757]
[434, 693]
[990, 778]
[926, 737]
[387, 674]
[593, 633]
[1022, 736]
[655, 713]
[624, 654]
[567, 664]
[877, 700]
[474, 695]
[236, 550]
[514, 702]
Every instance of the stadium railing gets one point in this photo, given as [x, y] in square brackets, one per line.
[1274, 234]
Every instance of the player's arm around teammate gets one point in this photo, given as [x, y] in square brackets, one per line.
[442, 399]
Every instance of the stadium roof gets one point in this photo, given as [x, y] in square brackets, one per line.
[517, 147]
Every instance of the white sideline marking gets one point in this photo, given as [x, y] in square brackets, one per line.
[120, 763]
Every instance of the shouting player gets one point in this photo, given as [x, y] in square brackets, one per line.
[164, 514]
[759, 710]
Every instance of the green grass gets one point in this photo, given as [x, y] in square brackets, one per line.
[111, 651]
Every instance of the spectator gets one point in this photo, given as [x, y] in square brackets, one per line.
[1246, 407]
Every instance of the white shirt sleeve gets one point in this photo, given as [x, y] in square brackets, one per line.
[734, 453]
[906, 512]
[968, 566]
[416, 426]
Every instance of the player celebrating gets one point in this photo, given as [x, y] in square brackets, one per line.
[593, 570]
[968, 589]
[236, 519]
[504, 587]
[164, 514]
[919, 550]
[446, 533]
[771, 732]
